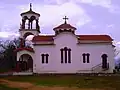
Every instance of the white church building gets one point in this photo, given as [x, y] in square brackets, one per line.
[63, 52]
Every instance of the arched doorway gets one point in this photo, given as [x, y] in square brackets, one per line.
[104, 61]
[26, 63]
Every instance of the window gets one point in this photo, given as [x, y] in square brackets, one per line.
[65, 50]
[65, 55]
[88, 61]
[42, 55]
[69, 55]
[47, 58]
[86, 58]
[61, 55]
[44, 58]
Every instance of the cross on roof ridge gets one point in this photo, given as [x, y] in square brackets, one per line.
[65, 18]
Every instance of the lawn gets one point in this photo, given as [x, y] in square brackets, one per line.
[111, 82]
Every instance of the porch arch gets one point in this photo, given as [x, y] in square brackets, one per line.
[27, 34]
[25, 62]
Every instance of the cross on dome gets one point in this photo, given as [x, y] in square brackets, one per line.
[65, 18]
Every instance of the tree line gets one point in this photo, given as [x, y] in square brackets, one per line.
[8, 56]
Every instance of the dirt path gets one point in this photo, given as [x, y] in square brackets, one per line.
[29, 86]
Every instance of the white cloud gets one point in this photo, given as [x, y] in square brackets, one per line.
[58, 2]
[51, 15]
[110, 26]
[8, 34]
[103, 3]
[118, 43]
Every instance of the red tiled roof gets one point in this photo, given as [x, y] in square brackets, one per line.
[64, 26]
[95, 37]
[28, 49]
[30, 12]
[43, 38]
[81, 37]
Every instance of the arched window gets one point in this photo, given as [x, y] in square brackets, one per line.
[69, 55]
[65, 55]
[88, 61]
[65, 50]
[86, 57]
[83, 57]
[61, 55]
[47, 58]
[42, 55]
[44, 58]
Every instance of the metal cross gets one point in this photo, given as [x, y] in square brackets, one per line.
[65, 18]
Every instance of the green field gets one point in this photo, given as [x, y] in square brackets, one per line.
[111, 82]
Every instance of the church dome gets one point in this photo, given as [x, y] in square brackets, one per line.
[64, 28]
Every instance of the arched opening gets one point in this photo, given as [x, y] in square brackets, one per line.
[34, 24]
[32, 18]
[27, 34]
[28, 39]
[27, 24]
[25, 17]
[104, 61]
[25, 63]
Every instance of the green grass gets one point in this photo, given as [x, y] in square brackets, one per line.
[112, 82]
[5, 87]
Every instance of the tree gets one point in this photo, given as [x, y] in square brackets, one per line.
[7, 54]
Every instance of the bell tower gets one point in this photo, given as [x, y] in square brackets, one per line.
[29, 25]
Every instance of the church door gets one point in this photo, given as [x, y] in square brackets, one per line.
[104, 61]
[30, 63]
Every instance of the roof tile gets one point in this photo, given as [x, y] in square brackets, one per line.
[64, 26]
[28, 49]
[81, 37]
[43, 38]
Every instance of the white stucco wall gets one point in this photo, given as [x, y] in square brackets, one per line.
[48, 49]
[69, 40]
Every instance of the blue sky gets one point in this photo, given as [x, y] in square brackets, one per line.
[88, 16]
